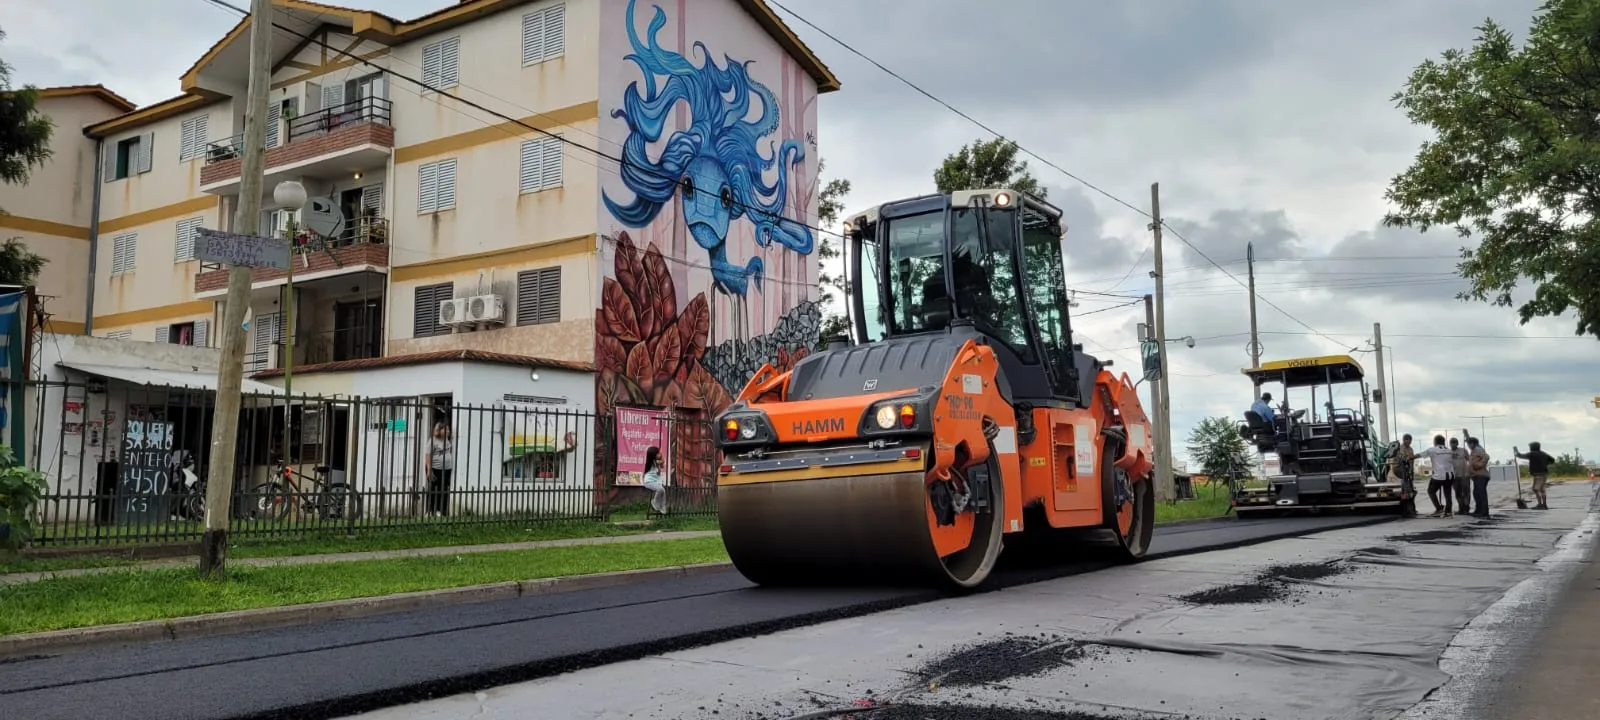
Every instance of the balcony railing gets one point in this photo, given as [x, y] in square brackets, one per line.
[313, 348]
[369, 110]
[364, 242]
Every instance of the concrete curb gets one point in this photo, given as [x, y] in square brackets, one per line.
[242, 621]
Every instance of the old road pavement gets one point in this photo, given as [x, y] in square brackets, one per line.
[339, 668]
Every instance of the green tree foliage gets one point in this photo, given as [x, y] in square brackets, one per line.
[24, 145]
[1568, 465]
[986, 164]
[1514, 160]
[830, 205]
[1215, 444]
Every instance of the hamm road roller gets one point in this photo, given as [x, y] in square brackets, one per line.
[960, 418]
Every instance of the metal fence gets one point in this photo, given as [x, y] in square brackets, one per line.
[127, 463]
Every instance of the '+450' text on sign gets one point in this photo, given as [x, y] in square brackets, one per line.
[234, 249]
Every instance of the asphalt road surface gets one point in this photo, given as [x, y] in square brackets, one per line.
[339, 668]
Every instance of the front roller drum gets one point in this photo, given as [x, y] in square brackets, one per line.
[854, 530]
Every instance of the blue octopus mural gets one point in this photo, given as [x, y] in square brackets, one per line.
[715, 162]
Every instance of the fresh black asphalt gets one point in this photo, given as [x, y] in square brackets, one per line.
[333, 669]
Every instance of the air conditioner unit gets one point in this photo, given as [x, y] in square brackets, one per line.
[453, 312]
[486, 309]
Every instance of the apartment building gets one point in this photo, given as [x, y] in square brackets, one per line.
[445, 218]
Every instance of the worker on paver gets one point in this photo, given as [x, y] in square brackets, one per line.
[1461, 486]
[1478, 469]
[1539, 463]
[1441, 481]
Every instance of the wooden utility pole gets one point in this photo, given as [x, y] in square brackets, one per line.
[1164, 486]
[1255, 334]
[230, 374]
[1155, 387]
[1383, 387]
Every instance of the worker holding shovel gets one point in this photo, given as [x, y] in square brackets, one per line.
[1539, 463]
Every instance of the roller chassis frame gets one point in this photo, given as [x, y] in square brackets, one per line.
[1287, 494]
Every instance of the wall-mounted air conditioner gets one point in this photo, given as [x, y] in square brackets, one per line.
[486, 309]
[453, 312]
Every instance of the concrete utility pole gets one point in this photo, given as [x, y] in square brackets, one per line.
[230, 374]
[1255, 335]
[1163, 403]
[1383, 389]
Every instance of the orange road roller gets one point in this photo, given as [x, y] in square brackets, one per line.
[958, 419]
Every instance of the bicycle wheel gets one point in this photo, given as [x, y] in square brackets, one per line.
[340, 502]
[269, 500]
[194, 504]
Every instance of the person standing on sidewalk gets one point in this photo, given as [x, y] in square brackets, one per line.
[1461, 485]
[441, 465]
[1478, 468]
[1441, 481]
[1539, 463]
[653, 481]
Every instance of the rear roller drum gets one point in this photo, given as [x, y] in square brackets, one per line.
[1130, 507]
[865, 530]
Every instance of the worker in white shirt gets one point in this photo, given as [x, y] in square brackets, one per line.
[1442, 463]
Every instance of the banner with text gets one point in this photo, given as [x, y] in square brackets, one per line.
[638, 430]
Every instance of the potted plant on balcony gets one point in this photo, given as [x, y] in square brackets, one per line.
[21, 488]
[373, 229]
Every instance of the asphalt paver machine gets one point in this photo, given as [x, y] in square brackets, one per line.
[958, 419]
[1329, 453]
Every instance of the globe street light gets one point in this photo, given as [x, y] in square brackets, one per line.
[292, 195]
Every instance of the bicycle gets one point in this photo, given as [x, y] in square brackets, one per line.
[330, 501]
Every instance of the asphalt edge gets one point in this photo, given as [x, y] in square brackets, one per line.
[243, 621]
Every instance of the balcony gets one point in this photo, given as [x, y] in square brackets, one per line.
[363, 246]
[349, 138]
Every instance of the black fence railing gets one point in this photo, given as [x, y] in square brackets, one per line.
[126, 463]
[326, 120]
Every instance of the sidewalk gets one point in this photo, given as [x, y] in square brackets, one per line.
[12, 578]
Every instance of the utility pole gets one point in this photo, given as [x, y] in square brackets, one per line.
[1255, 334]
[1383, 389]
[230, 374]
[1163, 402]
[1483, 424]
[1155, 387]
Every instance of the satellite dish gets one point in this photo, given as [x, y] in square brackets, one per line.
[323, 216]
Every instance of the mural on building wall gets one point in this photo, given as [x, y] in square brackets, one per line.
[707, 222]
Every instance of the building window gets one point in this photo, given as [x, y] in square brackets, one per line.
[128, 157]
[541, 164]
[189, 333]
[539, 296]
[120, 335]
[544, 34]
[441, 63]
[183, 244]
[425, 321]
[193, 138]
[436, 186]
[124, 248]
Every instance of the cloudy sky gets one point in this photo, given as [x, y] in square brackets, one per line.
[1264, 121]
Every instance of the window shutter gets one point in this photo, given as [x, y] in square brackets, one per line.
[183, 246]
[449, 67]
[430, 64]
[108, 162]
[447, 185]
[533, 37]
[555, 31]
[427, 188]
[120, 335]
[202, 333]
[425, 315]
[163, 333]
[264, 328]
[529, 179]
[539, 296]
[551, 167]
[202, 136]
[332, 98]
[146, 147]
[124, 248]
[372, 198]
[274, 114]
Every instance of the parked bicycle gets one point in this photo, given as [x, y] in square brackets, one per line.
[331, 501]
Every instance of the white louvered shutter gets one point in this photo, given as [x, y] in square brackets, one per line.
[550, 168]
[450, 63]
[427, 188]
[372, 199]
[555, 31]
[332, 98]
[202, 333]
[183, 244]
[146, 149]
[163, 333]
[274, 115]
[533, 37]
[532, 150]
[447, 185]
[108, 162]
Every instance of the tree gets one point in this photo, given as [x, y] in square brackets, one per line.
[1514, 161]
[986, 164]
[24, 145]
[1215, 444]
[830, 204]
[1568, 465]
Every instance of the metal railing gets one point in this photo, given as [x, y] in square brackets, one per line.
[336, 345]
[126, 464]
[318, 122]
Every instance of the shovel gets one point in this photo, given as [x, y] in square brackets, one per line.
[1521, 504]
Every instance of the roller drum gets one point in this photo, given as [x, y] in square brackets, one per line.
[851, 530]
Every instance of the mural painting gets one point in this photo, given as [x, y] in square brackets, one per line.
[708, 266]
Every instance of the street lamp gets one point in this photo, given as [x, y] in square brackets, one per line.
[289, 194]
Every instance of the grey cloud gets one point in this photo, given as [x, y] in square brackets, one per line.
[1225, 235]
[1088, 248]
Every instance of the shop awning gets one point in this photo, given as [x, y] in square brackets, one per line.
[178, 379]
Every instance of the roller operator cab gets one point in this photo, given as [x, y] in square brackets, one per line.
[1328, 452]
[958, 417]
